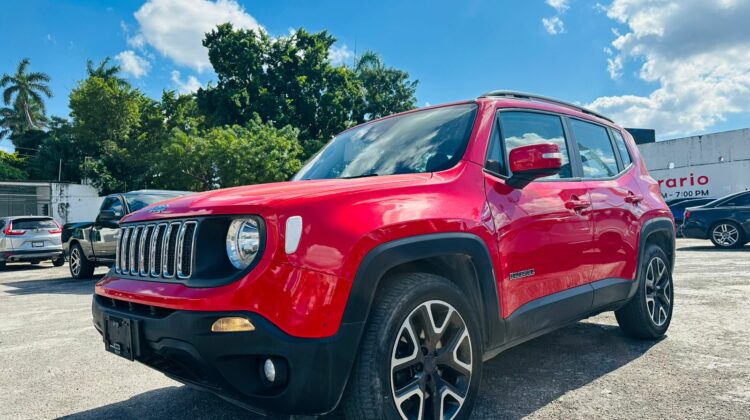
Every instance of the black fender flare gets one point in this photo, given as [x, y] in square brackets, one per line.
[401, 251]
[650, 227]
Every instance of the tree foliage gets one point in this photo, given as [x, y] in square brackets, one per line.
[26, 91]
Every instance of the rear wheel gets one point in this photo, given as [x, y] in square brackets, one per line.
[420, 356]
[2, 265]
[80, 266]
[649, 312]
[58, 262]
[727, 235]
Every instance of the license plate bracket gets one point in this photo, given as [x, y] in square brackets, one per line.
[37, 244]
[121, 336]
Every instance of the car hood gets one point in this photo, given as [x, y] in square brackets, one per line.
[250, 198]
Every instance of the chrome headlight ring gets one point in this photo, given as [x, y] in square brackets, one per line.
[243, 242]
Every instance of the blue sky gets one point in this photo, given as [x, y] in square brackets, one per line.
[681, 67]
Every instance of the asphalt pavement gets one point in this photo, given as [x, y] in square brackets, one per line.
[53, 364]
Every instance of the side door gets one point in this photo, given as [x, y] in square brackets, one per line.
[103, 233]
[738, 209]
[544, 231]
[616, 198]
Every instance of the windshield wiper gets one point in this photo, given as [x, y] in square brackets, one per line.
[359, 176]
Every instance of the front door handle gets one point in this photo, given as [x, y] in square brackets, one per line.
[577, 204]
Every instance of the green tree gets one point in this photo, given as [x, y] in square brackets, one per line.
[26, 92]
[228, 156]
[105, 71]
[58, 154]
[291, 81]
[12, 167]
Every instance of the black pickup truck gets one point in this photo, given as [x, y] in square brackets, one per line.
[91, 244]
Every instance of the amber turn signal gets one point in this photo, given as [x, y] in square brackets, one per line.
[232, 324]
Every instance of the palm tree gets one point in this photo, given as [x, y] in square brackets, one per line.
[105, 71]
[28, 89]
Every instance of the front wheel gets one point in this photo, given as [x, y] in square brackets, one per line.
[80, 266]
[649, 312]
[727, 235]
[420, 356]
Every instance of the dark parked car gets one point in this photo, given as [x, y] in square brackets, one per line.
[678, 207]
[90, 244]
[726, 221]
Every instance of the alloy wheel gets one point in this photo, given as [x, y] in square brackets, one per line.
[658, 291]
[431, 363]
[726, 234]
[75, 262]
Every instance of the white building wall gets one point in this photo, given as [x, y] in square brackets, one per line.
[74, 203]
[711, 165]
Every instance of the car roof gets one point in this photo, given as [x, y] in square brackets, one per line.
[170, 193]
[26, 217]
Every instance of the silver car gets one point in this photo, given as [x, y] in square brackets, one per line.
[30, 239]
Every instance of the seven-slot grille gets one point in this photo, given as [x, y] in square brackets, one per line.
[163, 250]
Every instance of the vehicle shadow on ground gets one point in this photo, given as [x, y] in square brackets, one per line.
[711, 248]
[518, 382]
[58, 285]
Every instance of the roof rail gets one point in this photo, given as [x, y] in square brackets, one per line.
[532, 97]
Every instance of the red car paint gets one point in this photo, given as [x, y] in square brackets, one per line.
[569, 232]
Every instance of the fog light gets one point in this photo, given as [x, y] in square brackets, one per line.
[269, 370]
[232, 324]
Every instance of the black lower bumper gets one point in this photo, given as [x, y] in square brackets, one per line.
[181, 345]
[30, 255]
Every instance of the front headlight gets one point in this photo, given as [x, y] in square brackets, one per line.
[243, 242]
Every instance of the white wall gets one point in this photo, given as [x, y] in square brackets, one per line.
[74, 202]
[711, 165]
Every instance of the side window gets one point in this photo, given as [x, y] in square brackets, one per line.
[739, 201]
[519, 128]
[597, 155]
[495, 158]
[113, 203]
[623, 148]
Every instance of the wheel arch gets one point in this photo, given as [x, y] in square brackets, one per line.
[462, 258]
[659, 231]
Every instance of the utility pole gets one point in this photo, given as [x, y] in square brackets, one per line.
[59, 171]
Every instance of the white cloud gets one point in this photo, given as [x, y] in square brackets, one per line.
[693, 50]
[340, 55]
[190, 85]
[553, 25]
[176, 28]
[132, 64]
[560, 5]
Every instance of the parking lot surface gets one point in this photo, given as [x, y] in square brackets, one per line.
[53, 364]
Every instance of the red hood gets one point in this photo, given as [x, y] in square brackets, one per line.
[242, 200]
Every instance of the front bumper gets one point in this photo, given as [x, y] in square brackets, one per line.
[181, 345]
[31, 255]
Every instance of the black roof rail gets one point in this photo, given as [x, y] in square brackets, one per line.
[532, 97]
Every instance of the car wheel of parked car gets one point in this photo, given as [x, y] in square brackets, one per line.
[58, 262]
[727, 234]
[420, 356]
[649, 312]
[80, 266]
[2, 265]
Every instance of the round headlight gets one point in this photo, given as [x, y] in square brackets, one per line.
[243, 242]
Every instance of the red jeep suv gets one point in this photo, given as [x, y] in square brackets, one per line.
[405, 253]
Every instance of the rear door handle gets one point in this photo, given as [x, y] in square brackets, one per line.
[633, 198]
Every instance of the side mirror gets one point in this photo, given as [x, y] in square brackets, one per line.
[534, 161]
[109, 215]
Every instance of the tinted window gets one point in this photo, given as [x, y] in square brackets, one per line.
[139, 201]
[597, 155]
[740, 200]
[26, 224]
[525, 128]
[623, 148]
[113, 203]
[423, 141]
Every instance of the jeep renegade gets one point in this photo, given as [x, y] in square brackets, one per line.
[405, 253]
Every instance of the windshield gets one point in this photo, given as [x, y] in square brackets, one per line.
[423, 141]
[139, 201]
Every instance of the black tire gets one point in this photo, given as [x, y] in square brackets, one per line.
[642, 317]
[368, 394]
[34, 262]
[58, 262]
[730, 241]
[2, 265]
[80, 267]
